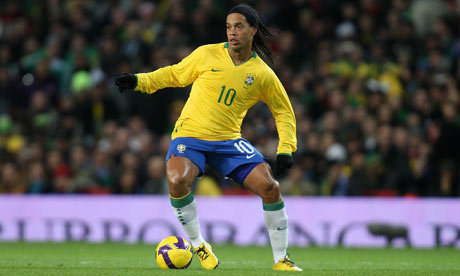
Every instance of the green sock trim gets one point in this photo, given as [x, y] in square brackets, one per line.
[274, 206]
[288, 154]
[183, 201]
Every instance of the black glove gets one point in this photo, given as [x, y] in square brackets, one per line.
[283, 162]
[126, 81]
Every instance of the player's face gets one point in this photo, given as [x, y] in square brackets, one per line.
[239, 32]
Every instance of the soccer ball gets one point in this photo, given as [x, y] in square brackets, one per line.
[174, 253]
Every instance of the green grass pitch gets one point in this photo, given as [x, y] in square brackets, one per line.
[125, 259]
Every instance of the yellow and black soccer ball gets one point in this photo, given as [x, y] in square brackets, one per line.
[174, 253]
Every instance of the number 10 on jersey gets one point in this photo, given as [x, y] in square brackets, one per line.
[230, 95]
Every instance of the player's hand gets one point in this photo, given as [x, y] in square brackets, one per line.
[283, 163]
[126, 81]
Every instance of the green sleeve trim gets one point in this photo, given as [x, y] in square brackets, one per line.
[274, 206]
[182, 201]
[288, 154]
[137, 81]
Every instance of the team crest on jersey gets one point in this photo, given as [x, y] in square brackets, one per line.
[249, 80]
[181, 148]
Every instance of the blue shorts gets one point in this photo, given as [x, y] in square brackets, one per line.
[233, 158]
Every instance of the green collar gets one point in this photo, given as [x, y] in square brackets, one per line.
[254, 54]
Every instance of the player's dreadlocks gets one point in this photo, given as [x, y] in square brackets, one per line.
[263, 35]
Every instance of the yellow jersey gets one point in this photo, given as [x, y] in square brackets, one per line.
[222, 93]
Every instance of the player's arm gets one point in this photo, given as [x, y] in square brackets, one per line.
[178, 75]
[277, 100]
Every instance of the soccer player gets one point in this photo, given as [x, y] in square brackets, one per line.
[228, 79]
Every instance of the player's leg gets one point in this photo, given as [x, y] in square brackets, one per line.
[261, 181]
[181, 171]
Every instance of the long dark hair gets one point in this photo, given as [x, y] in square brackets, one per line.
[263, 36]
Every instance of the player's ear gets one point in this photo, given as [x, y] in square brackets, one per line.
[254, 31]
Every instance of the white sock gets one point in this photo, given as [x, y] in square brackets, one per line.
[186, 211]
[276, 221]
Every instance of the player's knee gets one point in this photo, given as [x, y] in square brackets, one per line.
[271, 191]
[179, 185]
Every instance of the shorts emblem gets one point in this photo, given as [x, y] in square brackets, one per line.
[181, 148]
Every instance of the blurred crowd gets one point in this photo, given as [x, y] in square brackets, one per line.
[374, 85]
